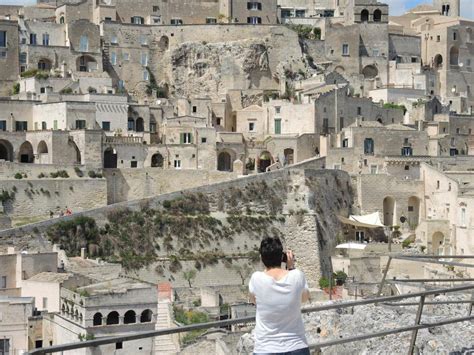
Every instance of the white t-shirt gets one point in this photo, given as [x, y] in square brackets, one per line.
[279, 326]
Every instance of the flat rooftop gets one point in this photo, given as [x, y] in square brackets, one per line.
[50, 277]
[120, 285]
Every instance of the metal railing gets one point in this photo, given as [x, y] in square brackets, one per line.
[218, 324]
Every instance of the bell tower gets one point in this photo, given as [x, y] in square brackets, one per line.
[450, 8]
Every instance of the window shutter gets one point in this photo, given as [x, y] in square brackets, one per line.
[190, 138]
[249, 5]
[181, 138]
[259, 20]
[259, 6]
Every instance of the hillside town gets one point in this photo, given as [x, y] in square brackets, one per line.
[148, 146]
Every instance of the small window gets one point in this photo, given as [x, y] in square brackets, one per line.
[3, 282]
[133, 164]
[118, 345]
[194, 109]
[437, 185]
[203, 140]
[176, 21]
[80, 124]
[45, 39]
[345, 49]
[177, 164]
[114, 39]
[407, 167]
[253, 20]
[373, 169]
[44, 127]
[3, 39]
[146, 75]
[106, 126]
[144, 59]
[137, 20]
[32, 38]
[113, 58]
[359, 111]
[254, 6]
[411, 209]
[455, 36]
[186, 138]
[438, 38]
[84, 44]
[278, 109]
[126, 56]
[156, 8]
[278, 126]
[211, 20]
[251, 126]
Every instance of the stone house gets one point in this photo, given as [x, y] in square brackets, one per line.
[9, 56]
[15, 312]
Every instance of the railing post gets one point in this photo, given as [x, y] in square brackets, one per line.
[379, 292]
[471, 304]
[414, 334]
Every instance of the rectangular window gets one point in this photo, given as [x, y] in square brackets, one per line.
[84, 44]
[407, 151]
[359, 111]
[3, 282]
[3, 39]
[463, 217]
[254, 20]
[194, 109]
[21, 126]
[277, 109]
[278, 126]
[3, 125]
[44, 126]
[45, 39]
[22, 58]
[251, 126]
[369, 146]
[345, 49]
[360, 236]
[373, 169]
[325, 125]
[177, 164]
[438, 38]
[345, 143]
[375, 52]
[203, 140]
[126, 57]
[80, 124]
[5, 344]
[156, 8]
[176, 21]
[133, 164]
[55, 124]
[211, 20]
[300, 13]
[33, 38]
[106, 126]
[146, 75]
[186, 138]
[113, 58]
[114, 39]
[143, 40]
[137, 20]
[45, 302]
[254, 6]
[119, 345]
[144, 59]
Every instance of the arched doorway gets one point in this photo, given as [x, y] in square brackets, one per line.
[364, 16]
[265, 160]
[157, 161]
[86, 63]
[97, 320]
[437, 243]
[43, 152]
[110, 159]
[25, 154]
[413, 211]
[377, 15]
[75, 153]
[146, 316]
[389, 211]
[113, 318]
[454, 56]
[289, 154]
[6, 150]
[224, 162]
[164, 43]
[44, 64]
[139, 125]
[438, 61]
[370, 72]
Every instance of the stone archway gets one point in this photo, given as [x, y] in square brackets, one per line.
[45, 64]
[25, 153]
[377, 15]
[389, 211]
[164, 43]
[264, 161]
[370, 72]
[75, 153]
[224, 162]
[42, 152]
[364, 16]
[157, 161]
[6, 150]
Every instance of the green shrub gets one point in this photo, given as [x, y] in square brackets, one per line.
[340, 277]
[59, 173]
[42, 75]
[18, 176]
[29, 73]
[41, 175]
[406, 243]
[66, 91]
[324, 283]
[16, 89]
[78, 171]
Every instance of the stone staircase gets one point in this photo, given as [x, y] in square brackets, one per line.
[164, 345]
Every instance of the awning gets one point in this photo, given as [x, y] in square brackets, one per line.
[352, 246]
[367, 221]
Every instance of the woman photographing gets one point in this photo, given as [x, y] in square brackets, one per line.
[278, 293]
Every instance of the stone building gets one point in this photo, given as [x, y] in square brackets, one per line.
[9, 56]
[14, 329]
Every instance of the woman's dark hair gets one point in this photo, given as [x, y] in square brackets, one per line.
[271, 251]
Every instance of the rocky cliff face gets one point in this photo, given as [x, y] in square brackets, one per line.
[200, 68]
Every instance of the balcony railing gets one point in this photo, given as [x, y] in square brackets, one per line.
[123, 140]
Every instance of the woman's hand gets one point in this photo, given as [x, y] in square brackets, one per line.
[290, 262]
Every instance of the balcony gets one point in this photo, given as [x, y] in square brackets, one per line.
[124, 140]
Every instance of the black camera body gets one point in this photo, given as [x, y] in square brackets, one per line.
[284, 257]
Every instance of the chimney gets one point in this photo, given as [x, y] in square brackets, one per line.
[83, 253]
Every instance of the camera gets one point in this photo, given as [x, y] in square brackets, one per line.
[284, 257]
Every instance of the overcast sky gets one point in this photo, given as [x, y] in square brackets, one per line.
[397, 7]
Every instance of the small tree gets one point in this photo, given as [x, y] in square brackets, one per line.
[243, 271]
[189, 276]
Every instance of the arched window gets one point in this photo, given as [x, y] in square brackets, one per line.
[25, 154]
[157, 161]
[113, 318]
[438, 61]
[389, 211]
[164, 43]
[6, 150]
[364, 16]
[140, 125]
[377, 15]
[146, 316]
[97, 320]
[130, 317]
[44, 64]
[224, 162]
[61, 19]
[42, 148]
